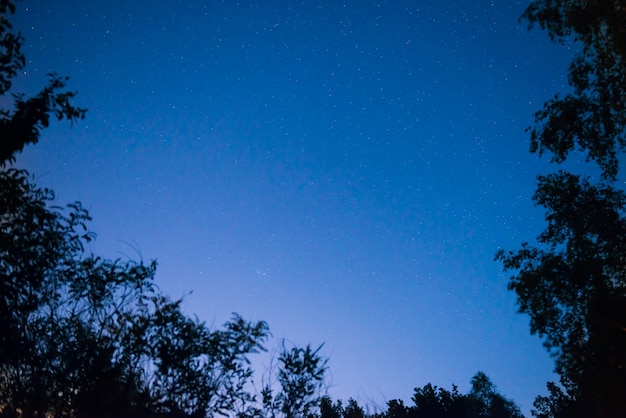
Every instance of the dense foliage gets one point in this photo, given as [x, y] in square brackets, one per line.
[573, 284]
[85, 336]
[591, 118]
[482, 401]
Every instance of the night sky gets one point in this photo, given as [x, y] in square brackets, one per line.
[344, 170]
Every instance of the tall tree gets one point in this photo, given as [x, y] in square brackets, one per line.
[591, 117]
[573, 283]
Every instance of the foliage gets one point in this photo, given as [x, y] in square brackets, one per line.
[85, 336]
[591, 118]
[572, 284]
[573, 289]
[483, 401]
[22, 125]
[63, 311]
[353, 410]
[431, 401]
[329, 410]
[301, 378]
[558, 404]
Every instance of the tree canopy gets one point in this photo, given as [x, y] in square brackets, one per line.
[86, 336]
[573, 284]
[591, 118]
[22, 125]
[482, 401]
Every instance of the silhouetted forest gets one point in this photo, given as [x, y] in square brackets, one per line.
[483, 400]
[86, 336]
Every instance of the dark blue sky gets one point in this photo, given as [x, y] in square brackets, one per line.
[343, 170]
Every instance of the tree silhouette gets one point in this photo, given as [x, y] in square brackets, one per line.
[431, 401]
[62, 310]
[558, 404]
[300, 377]
[85, 336]
[591, 117]
[22, 124]
[330, 410]
[483, 401]
[573, 284]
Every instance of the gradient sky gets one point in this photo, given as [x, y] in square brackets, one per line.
[344, 170]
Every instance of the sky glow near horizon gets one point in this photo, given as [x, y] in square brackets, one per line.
[345, 171]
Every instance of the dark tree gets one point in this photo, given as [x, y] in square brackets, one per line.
[483, 401]
[558, 404]
[84, 336]
[353, 410]
[88, 337]
[300, 379]
[62, 310]
[397, 409]
[22, 125]
[330, 410]
[591, 118]
[573, 288]
[573, 283]
[431, 401]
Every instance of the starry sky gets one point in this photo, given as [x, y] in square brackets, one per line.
[344, 170]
